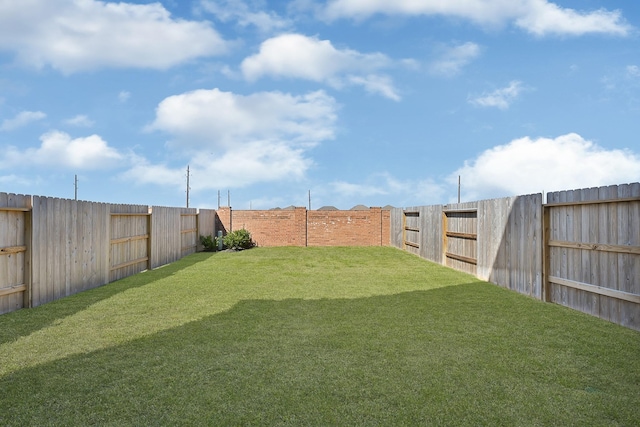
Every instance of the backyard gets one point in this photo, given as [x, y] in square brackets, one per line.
[313, 336]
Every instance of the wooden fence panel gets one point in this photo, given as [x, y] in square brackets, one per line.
[14, 251]
[494, 245]
[594, 251]
[206, 223]
[510, 243]
[460, 235]
[411, 230]
[426, 219]
[129, 240]
[70, 247]
[188, 231]
[395, 227]
[431, 233]
[166, 240]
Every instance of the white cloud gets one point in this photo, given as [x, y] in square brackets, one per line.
[22, 119]
[236, 140]
[455, 58]
[624, 81]
[376, 84]
[543, 18]
[80, 120]
[256, 161]
[73, 36]
[376, 189]
[538, 17]
[351, 190]
[499, 98]
[143, 172]
[123, 96]
[250, 163]
[7, 180]
[633, 71]
[217, 119]
[245, 15]
[527, 165]
[309, 58]
[59, 150]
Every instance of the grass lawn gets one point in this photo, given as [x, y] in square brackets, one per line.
[313, 336]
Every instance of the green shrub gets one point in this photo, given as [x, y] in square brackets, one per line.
[209, 243]
[238, 240]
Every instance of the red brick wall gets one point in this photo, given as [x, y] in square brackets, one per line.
[300, 227]
[223, 220]
[273, 228]
[385, 238]
[346, 228]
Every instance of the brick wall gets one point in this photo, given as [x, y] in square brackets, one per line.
[300, 227]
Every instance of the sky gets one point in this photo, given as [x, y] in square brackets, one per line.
[317, 103]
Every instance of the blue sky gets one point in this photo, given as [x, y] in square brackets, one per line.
[370, 102]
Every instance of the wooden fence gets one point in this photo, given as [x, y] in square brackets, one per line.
[581, 249]
[51, 248]
[15, 252]
[592, 262]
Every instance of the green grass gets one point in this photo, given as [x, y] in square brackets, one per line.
[313, 336]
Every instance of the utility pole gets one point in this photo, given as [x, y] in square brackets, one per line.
[229, 198]
[309, 199]
[188, 188]
[218, 199]
[75, 186]
[458, 188]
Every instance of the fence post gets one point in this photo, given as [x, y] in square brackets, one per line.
[546, 255]
[445, 227]
[28, 255]
[150, 262]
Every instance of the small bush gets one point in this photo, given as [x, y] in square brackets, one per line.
[209, 243]
[238, 240]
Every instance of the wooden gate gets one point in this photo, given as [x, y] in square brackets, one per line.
[592, 252]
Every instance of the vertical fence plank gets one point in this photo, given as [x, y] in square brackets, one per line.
[612, 238]
[591, 236]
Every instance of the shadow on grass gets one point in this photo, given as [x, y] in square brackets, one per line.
[471, 354]
[26, 321]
